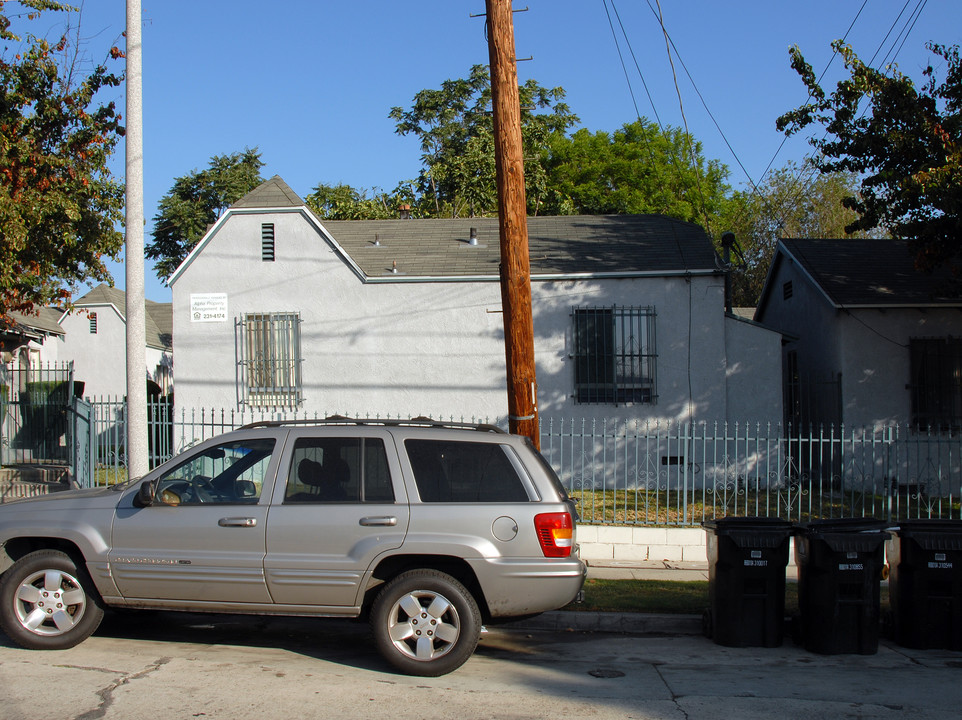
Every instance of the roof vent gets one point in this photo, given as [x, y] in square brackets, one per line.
[377, 240]
[473, 240]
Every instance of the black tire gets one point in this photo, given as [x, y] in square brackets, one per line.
[425, 623]
[48, 603]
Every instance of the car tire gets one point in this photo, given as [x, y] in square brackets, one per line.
[47, 602]
[425, 623]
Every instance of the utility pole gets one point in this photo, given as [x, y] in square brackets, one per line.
[513, 222]
[136, 311]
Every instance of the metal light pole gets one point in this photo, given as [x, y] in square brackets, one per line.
[137, 460]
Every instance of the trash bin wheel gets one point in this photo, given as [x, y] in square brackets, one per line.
[707, 626]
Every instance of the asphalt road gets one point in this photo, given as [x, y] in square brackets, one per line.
[166, 665]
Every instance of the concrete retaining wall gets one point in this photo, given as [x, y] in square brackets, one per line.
[615, 544]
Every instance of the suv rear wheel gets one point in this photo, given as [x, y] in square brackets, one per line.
[46, 602]
[425, 623]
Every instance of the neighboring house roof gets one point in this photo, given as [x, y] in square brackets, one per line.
[46, 321]
[863, 273]
[440, 249]
[159, 319]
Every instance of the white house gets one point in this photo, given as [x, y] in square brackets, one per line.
[275, 310]
[870, 342]
[94, 339]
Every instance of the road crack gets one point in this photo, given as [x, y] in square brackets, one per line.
[674, 696]
[107, 694]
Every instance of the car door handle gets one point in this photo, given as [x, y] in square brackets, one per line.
[386, 520]
[237, 522]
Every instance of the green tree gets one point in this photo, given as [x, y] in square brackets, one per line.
[637, 169]
[343, 202]
[59, 205]
[454, 126]
[906, 148]
[195, 201]
[793, 202]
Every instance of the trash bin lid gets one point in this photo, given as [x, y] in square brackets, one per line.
[928, 525]
[843, 525]
[747, 523]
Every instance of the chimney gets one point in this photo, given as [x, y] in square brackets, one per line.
[404, 212]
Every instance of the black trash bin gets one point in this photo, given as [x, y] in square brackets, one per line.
[839, 571]
[925, 584]
[746, 580]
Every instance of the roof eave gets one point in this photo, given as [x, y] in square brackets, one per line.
[541, 277]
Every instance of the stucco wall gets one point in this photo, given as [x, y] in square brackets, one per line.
[99, 359]
[753, 373]
[876, 363]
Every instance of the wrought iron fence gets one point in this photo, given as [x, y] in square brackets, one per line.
[685, 473]
[674, 474]
[34, 414]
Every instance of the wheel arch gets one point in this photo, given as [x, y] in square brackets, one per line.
[392, 566]
[17, 547]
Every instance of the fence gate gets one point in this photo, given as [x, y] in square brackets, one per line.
[82, 460]
[35, 428]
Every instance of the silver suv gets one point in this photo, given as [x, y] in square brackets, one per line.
[427, 529]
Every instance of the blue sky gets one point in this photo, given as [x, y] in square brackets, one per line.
[310, 83]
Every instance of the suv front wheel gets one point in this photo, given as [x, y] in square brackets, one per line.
[425, 623]
[46, 602]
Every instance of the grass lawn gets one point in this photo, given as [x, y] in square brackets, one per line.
[665, 596]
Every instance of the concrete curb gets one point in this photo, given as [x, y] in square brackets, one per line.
[630, 623]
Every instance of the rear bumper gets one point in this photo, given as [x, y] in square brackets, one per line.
[526, 587]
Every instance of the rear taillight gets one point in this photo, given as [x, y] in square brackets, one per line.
[556, 533]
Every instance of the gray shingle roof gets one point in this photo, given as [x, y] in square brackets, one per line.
[880, 273]
[272, 193]
[566, 245]
[46, 320]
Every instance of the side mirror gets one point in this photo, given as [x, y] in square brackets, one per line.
[145, 495]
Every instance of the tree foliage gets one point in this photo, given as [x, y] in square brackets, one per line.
[343, 202]
[637, 169]
[793, 202]
[194, 203]
[59, 205]
[906, 148]
[454, 126]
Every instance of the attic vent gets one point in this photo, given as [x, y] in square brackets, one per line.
[787, 290]
[267, 242]
[93, 323]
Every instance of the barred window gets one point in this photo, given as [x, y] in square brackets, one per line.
[614, 354]
[936, 367]
[269, 366]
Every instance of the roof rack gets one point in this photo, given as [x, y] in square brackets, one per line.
[342, 420]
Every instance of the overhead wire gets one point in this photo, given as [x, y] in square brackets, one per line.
[631, 90]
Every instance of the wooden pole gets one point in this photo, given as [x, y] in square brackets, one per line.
[513, 222]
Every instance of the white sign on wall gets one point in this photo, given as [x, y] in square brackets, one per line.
[208, 307]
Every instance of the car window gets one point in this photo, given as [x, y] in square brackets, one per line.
[452, 471]
[351, 469]
[232, 473]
